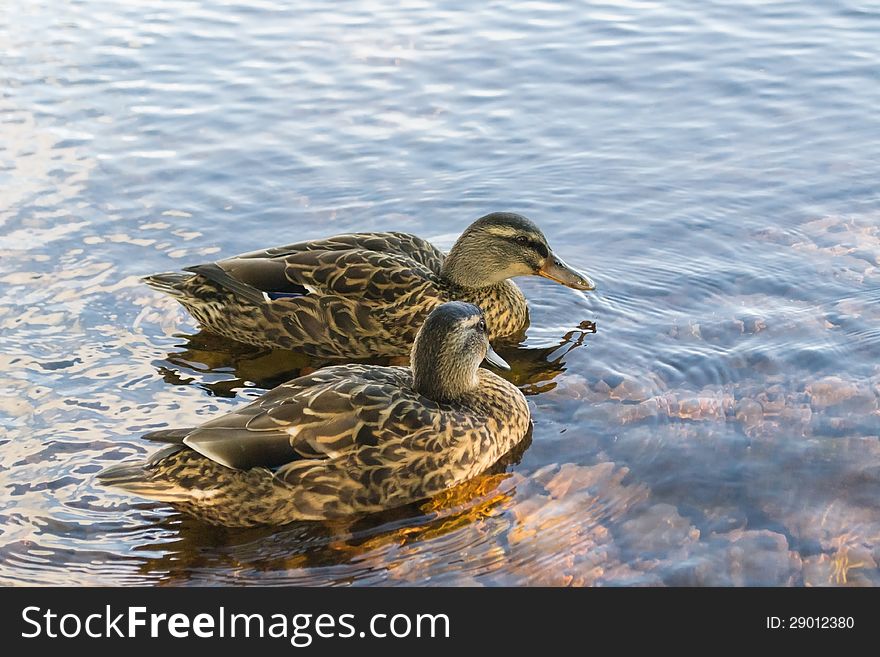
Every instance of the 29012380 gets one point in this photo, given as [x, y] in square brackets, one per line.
[810, 623]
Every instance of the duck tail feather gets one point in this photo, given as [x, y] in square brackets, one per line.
[170, 283]
[139, 479]
[173, 436]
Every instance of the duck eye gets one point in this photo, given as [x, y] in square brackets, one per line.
[522, 239]
[482, 325]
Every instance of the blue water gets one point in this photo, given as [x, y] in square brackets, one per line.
[714, 167]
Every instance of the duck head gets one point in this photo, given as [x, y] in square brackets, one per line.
[502, 245]
[448, 350]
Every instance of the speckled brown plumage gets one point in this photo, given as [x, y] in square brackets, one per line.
[348, 439]
[366, 294]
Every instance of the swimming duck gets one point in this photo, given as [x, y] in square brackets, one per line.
[347, 439]
[366, 294]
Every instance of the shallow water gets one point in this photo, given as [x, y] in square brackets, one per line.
[708, 416]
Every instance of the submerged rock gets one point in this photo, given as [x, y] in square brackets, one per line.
[833, 391]
[656, 531]
[739, 558]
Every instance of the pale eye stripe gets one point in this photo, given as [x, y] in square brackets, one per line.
[509, 233]
[502, 231]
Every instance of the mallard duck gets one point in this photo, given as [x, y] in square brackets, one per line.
[346, 439]
[367, 294]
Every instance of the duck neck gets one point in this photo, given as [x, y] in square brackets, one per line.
[467, 266]
[504, 304]
[438, 376]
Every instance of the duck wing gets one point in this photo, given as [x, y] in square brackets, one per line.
[319, 416]
[377, 266]
[405, 244]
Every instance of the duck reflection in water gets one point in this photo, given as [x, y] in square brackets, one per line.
[222, 366]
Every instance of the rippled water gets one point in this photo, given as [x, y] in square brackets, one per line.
[715, 168]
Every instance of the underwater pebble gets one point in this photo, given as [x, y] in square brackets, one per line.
[660, 528]
[750, 414]
[830, 391]
[724, 332]
[739, 558]
[631, 390]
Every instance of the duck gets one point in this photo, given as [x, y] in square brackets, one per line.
[365, 295]
[346, 440]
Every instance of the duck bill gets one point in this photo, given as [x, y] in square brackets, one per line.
[495, 360]
[556, 270]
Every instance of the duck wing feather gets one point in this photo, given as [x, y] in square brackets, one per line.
[319, 416]
[377, 266]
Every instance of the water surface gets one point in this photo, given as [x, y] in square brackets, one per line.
[708, 416]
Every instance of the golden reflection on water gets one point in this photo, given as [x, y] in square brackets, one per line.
[502, 523]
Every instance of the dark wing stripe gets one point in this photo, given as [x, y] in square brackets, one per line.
[286, 295]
